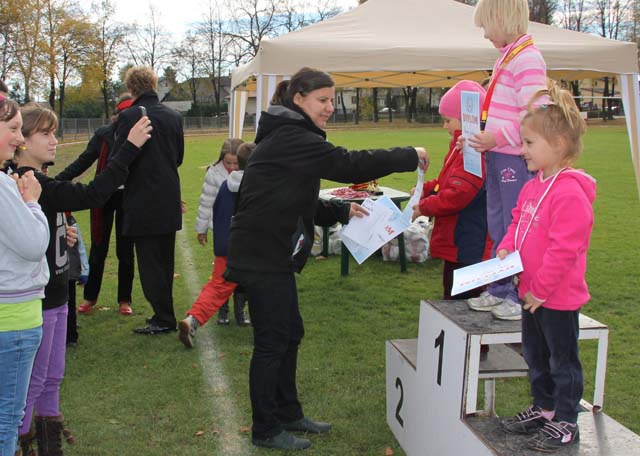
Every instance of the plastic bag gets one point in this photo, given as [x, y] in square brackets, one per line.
[416, 243]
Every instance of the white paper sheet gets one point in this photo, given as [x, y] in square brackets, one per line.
[363, 236]
[470, 109]
[415, 199]
[485, 272]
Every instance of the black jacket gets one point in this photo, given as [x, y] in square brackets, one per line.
[278, 196]
[59, 196]
[151, 200]
[102, 136]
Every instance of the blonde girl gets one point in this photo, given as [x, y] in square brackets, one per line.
[519, 72]
[551, 229]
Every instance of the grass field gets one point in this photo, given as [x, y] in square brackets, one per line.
[126, 394]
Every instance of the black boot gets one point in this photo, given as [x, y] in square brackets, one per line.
[49, 435]
[223, 314]
[239, 303]
[27, 441]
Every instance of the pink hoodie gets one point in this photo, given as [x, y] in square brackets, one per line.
[554, 252]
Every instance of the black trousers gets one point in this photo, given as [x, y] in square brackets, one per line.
[550, 348]
[99, 250]
[72, 318]
[277, 332]
[156, 256]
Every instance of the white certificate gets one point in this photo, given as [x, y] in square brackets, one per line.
[470, 119]
[415, 199]
[363, 236]
[485, 272]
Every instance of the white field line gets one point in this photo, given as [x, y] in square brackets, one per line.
[225, 412]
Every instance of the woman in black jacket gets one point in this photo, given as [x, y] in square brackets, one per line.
[272, 233]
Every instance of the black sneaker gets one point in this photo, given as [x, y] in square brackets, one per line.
[528, 421]
[307, 425]
[223, 315]
[283, 441]
[554, 436]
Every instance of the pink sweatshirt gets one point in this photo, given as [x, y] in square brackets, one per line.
[554, 252]
[518, 81]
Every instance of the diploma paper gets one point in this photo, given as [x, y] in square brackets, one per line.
[486, 272]
[363, 236]
[470, 108]
[415, 199]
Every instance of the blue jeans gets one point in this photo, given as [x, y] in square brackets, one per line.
[17, 352]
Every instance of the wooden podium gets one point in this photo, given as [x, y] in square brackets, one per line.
[432, 387]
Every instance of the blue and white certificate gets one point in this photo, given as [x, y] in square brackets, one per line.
[363, 236]
[485, 272]
[470, 119]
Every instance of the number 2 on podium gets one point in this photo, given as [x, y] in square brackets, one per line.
[439, 342]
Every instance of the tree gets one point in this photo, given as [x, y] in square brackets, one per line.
[573, 17]
[8, 19]
[542, 11]
[253, 20]
[217, 38]
[190, 58]
[149, 44]
[611, 19]
[106, 48]
[26, 44]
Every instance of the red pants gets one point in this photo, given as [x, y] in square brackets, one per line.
[214, 294]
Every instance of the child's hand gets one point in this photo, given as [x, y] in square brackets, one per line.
[423, 158]
[28, 186]
[459, 143]
[357, 210]
[72, 236]
[483, 141]
[530, 303]
[413, 190]
[202, 238]
[502, 253]
[416, 212]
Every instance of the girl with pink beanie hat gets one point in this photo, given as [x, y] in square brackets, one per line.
[457, 200]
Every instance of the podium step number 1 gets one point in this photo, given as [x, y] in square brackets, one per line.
[432, 385]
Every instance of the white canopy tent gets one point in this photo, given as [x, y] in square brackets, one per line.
[398, 43]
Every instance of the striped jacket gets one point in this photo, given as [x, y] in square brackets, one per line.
[517, 82]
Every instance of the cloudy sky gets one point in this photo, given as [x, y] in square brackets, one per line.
[176, 15]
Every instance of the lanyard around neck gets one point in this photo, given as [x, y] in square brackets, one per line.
[494, 78]
[533, 214]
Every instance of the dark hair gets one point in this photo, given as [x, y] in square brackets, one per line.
[3, 87]
[8, 109]
[244, 152]
[304, 81]
[229, 146]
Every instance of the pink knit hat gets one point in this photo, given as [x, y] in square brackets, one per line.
[450, 101]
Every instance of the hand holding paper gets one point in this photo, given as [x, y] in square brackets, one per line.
[485, 272]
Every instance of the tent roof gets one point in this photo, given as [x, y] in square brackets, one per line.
[388, 43]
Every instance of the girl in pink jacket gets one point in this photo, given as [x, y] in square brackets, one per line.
[551, 228]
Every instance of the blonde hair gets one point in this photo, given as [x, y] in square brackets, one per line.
[509, 16]
[140, 79]
[558, 120]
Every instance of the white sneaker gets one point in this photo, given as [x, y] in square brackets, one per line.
[485, 302]
[508, 310]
